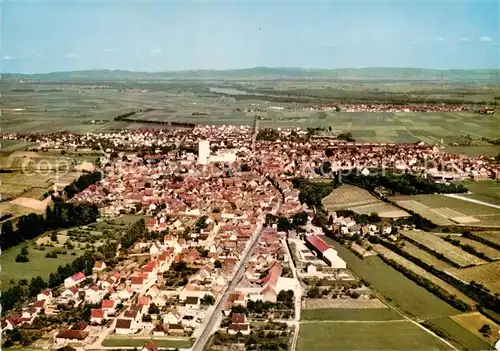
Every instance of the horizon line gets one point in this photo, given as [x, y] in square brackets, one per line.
[253, 68]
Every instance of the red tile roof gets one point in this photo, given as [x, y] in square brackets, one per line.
[78, 276]
[72, 334]
[137, 280]
[317, 243]
[108, 304]
[97, 313]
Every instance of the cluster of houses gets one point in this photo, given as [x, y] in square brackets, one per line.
[389, 108]
[298, 156]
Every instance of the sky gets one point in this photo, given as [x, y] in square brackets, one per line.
[47, 36]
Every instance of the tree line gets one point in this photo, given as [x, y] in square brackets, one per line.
[400, 183]
[82, 183]
[62, 215]
[134, 233]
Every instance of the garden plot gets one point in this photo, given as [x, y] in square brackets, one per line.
[490, 252]
[486, 274]
[434, 243]
[382, 250]
[425, 212]
[312, 304]
[424, 256]
[383, 209]
[347, 196]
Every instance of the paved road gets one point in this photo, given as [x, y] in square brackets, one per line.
[461, 197]
[215, 316]
[298, 298]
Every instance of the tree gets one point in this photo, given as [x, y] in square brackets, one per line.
[147, 318]
[345, 136]
[153, 309]
[485, 330]
[53, 237]
[207, 300]
[245, 167]
[300, 218]
[217, 264]
[328, 152]
[313, 292]
[37, 284]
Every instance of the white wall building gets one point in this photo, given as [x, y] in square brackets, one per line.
[203, 152]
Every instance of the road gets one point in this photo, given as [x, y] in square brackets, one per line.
[298, 297]
[220, 303]
[460, 197]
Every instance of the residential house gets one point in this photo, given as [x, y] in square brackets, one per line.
[155, 249]
[70, 336]
[126, 293]
[192, 302]
[109, 307]
[99, 266]
[238, 328]
[124, 327]
[75, 279]
[97, 316]
[172, 317]
[93, 294]
[45, 295]
[70, 293]
[175, 329]
[160, 330]
[38, 305]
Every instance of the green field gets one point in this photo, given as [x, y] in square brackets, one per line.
[445, 210]
[404, 293]
[73, 108]
[487, 191]
[350, 314]
[474, 151]
[393, 335]
[38, 264]
[458, 334]
[115, 341]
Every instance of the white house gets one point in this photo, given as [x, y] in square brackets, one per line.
[93, 294]
[75, 279]
[70, 293]
[97, 316]
[45, 295]
[124, 327]
[126, 293]
[172, 317]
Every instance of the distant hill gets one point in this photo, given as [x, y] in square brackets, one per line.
[371, 73]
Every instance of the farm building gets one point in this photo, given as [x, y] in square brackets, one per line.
[325, 252]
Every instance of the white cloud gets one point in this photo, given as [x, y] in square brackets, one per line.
[7, 57]
[155, 51]
[109, 50]
[439, 38]
[485, 39]
[70, 55]
[464, 39]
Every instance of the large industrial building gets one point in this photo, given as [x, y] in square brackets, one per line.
[325, 252]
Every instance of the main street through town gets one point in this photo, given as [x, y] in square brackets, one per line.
[220, 303]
